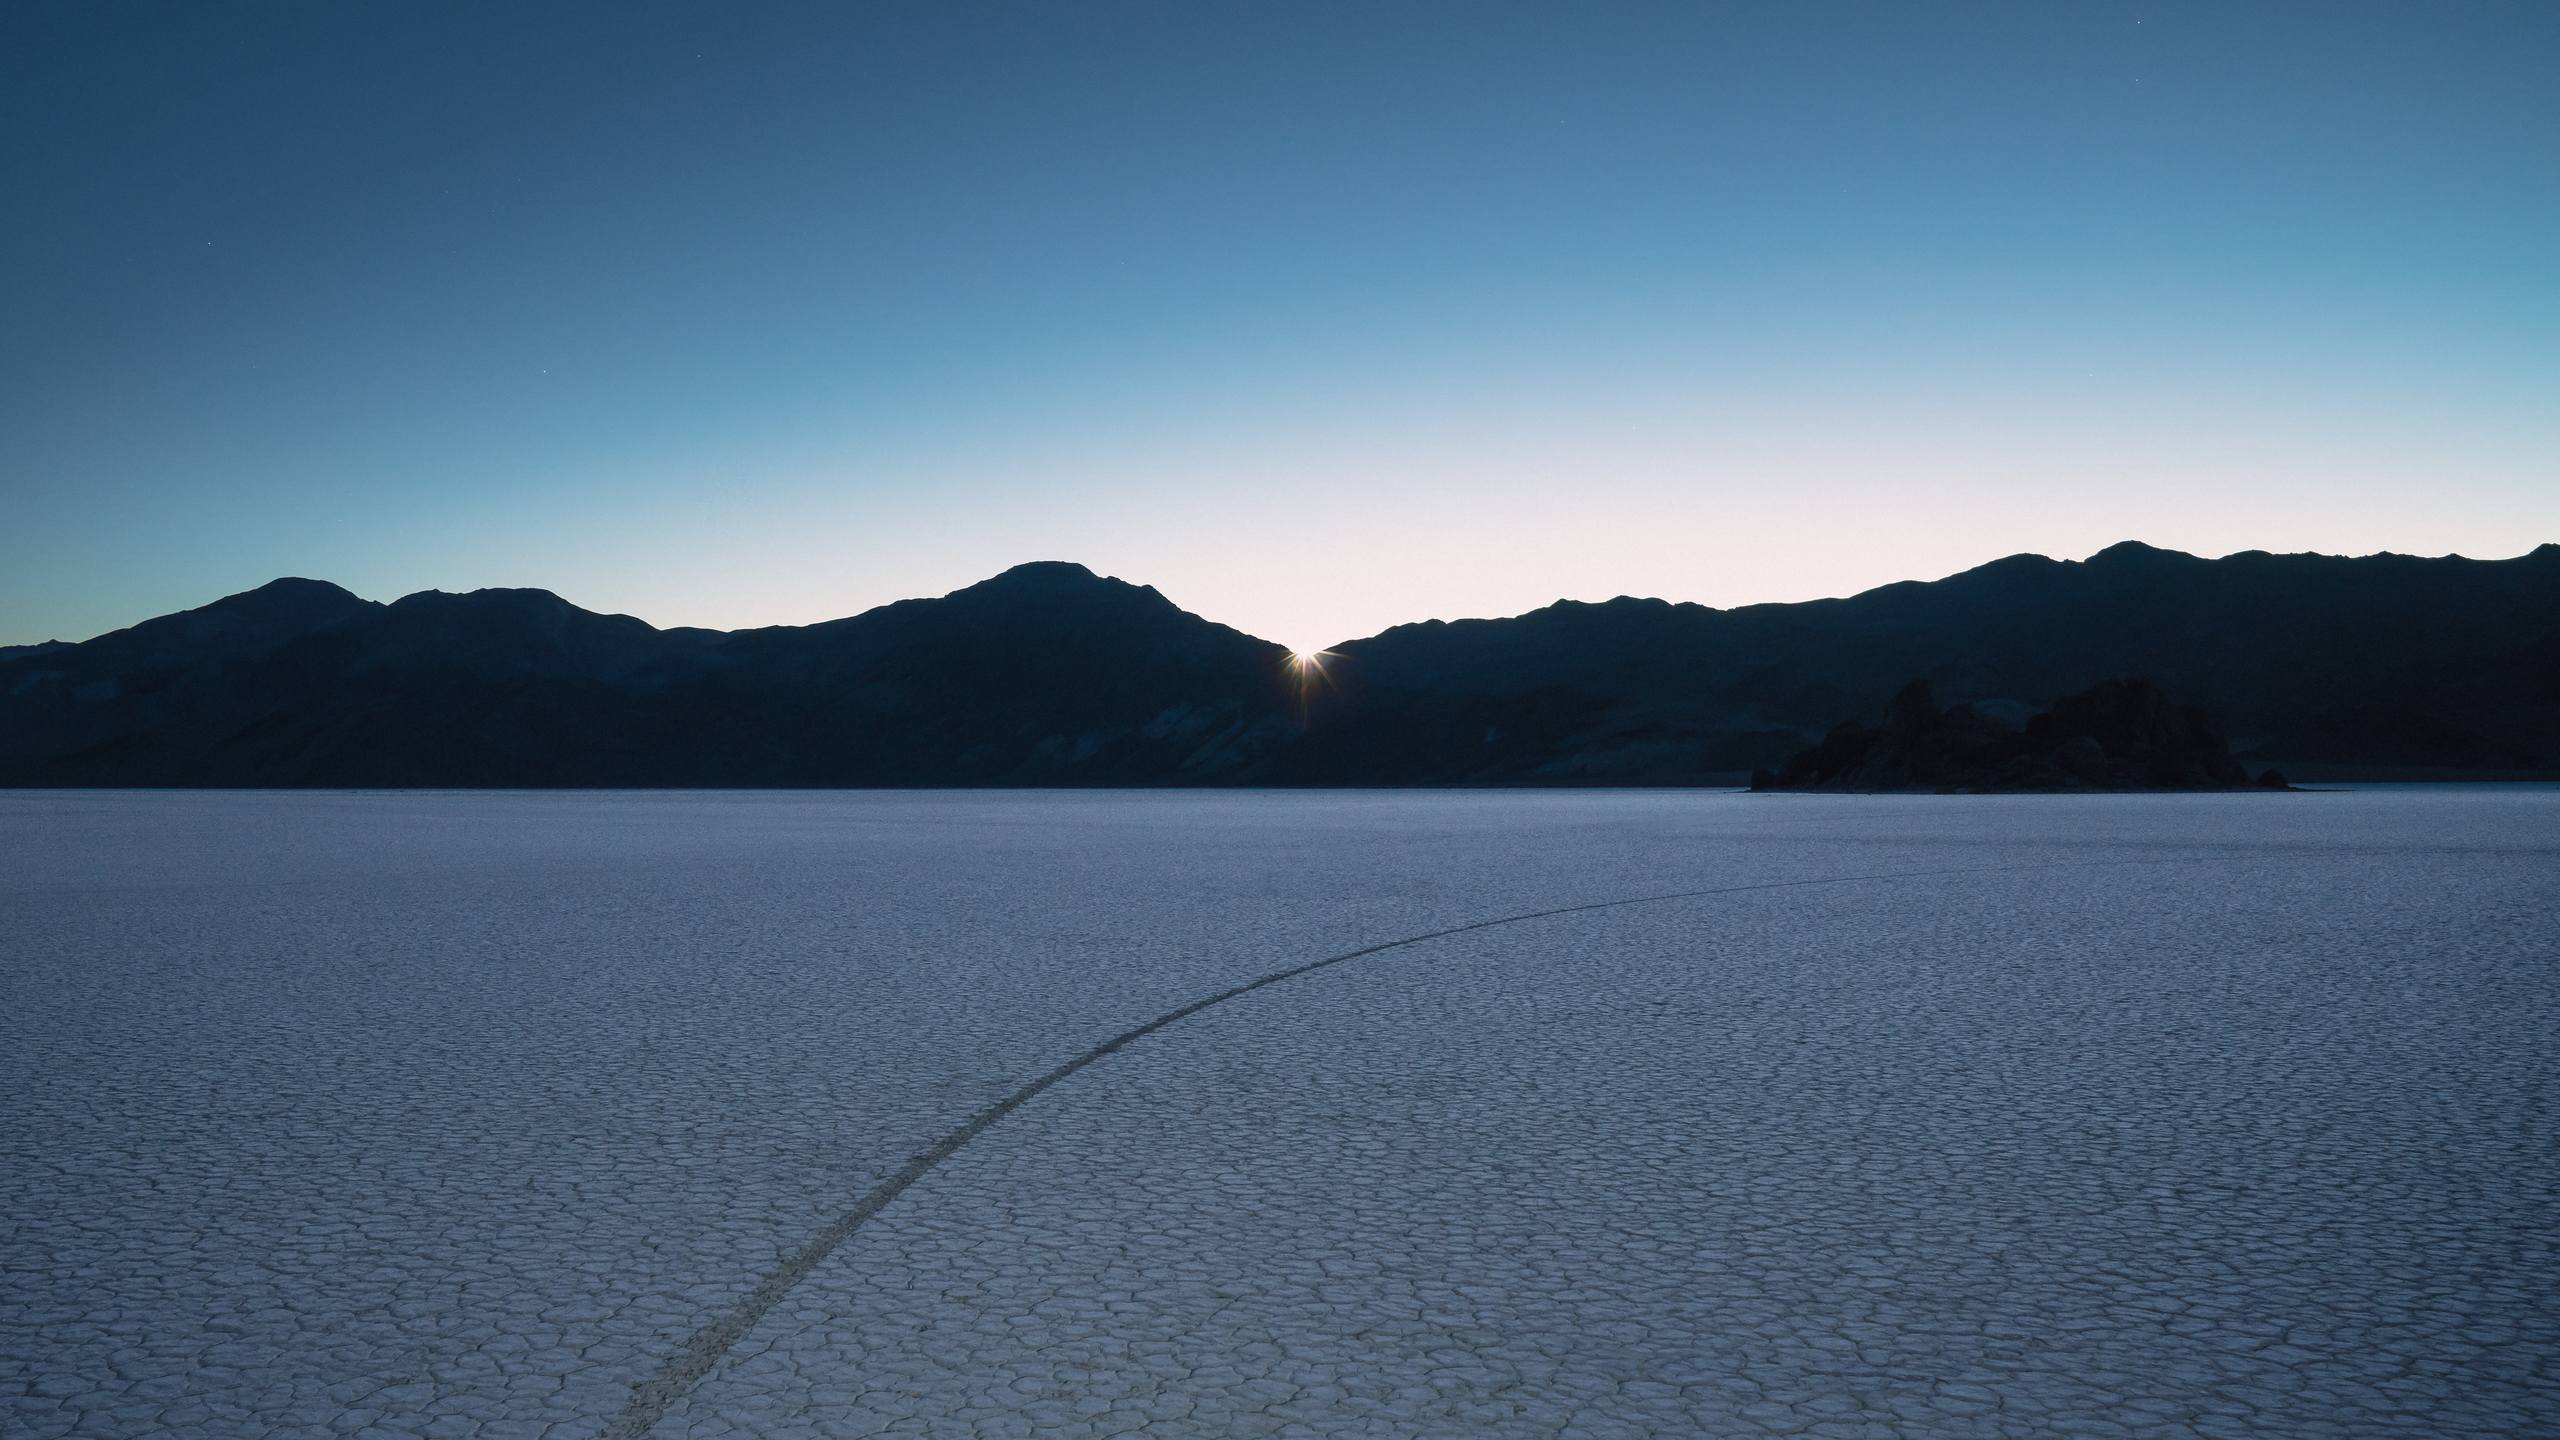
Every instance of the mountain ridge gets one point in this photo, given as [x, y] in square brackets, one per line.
[1051, 674]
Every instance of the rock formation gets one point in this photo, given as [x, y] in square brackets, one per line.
[2117, 735]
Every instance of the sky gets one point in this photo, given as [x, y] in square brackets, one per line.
[1319, 318]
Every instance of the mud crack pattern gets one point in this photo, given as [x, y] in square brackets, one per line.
[472, 1115]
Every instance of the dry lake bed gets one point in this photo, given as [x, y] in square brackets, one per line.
[711, 1115]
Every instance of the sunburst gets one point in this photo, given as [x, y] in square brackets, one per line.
[1306, 667]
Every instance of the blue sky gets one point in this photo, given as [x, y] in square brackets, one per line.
[1319, 318]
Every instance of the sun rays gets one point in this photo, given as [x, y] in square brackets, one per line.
[1307, 671]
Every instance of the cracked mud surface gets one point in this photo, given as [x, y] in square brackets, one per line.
[466, 1115]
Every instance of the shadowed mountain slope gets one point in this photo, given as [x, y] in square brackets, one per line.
[1047, 674]
[2377, 662]
[1051, 675]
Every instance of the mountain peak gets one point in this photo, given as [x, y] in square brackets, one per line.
[291, 602]
[1051, 580]
[1041, 572]
[296, 585]
[498, 597]
[2134, 551]
[493, 609]
[246, 623]
[293, 594]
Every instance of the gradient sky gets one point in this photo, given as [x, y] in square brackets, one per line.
[1318, 318]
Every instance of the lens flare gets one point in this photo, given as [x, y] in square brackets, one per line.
[1307, 668]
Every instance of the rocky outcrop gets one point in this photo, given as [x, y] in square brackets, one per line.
[2118, 735]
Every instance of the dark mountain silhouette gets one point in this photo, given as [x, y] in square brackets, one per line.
[1046, 674]
[2382, 663]
[2117, 735]
[1051, 675]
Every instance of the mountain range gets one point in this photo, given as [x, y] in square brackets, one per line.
[1049, 674]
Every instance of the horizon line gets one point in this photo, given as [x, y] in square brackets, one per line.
[2123, 545]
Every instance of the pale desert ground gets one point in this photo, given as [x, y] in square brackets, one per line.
[568, 1115]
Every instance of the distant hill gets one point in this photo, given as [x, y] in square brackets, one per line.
[1044, 675]
[1051, 675]
[2382, 663]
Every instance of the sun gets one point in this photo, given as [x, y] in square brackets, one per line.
[1307, 676]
